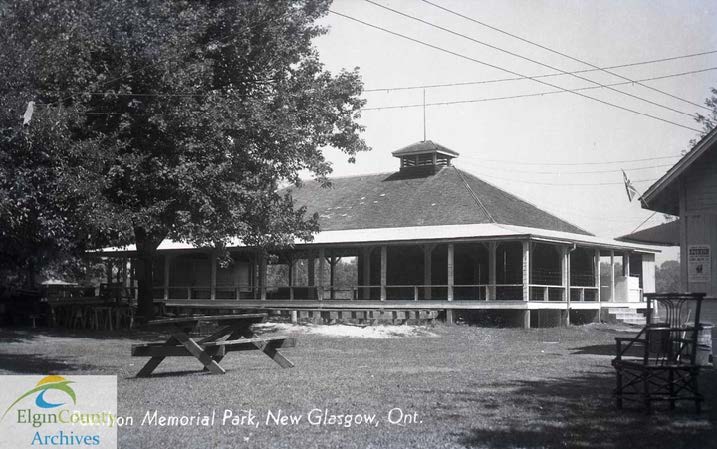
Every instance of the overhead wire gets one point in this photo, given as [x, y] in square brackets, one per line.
[487, 64]
[538, 94]
[544, 47]
[584, 172]
[549, 75]
[525, 58]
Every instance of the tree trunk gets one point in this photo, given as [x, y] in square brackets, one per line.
[146, 252]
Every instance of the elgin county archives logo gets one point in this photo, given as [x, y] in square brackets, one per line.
[42, 387]
[49, 411]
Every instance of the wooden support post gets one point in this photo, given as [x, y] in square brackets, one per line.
[565, 272]
[262, 276]
[332, 276]
[682, 192]
[449, 316]
[526, 319]
[165, 281]
[384, 261]
[451, 271]
[236, 280]
[427, 252]
[213, 277]
[108, 268]
[133, 278]
[366, 293]
[612, 276]
[597, 273]
[492, 249]
[322, 268]
[526, 270]
[311, 275]
[292, 276]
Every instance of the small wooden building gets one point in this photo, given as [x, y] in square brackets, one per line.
[427, 236]
[689, 191]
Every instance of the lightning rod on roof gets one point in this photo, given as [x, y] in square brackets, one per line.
[424, 115]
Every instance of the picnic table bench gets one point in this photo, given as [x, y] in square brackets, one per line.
[234, 334]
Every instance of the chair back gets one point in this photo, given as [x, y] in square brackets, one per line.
[672, 329]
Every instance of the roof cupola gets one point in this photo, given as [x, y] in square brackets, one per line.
[425, 157]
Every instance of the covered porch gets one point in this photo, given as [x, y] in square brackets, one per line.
[492, 271]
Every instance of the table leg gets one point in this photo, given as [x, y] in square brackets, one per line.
[155, 361]
[267, 348]
[197, 351]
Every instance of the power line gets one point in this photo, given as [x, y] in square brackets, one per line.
[582, 61]
[585, 172]
[444, 50]
[550, 75]
[517, 55]
[625, 161]
[564, 184]
[539, 94]
[643, 222]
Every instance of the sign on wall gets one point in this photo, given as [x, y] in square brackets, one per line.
[699, 263]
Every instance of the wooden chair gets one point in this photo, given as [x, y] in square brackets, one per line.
[659, 364]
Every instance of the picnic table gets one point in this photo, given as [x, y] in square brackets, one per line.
[234, 334]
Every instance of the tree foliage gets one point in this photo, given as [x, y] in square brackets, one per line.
[165, 119]
[667, 277]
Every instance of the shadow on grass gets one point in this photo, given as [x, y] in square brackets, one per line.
[635, 351]
[37, 364]
[178, 373]
[580, 412]
[24, 334]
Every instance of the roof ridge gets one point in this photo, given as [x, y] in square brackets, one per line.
[474, 195]
[527, 202]
[304, 180]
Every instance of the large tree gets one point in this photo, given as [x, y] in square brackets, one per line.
[165, 119]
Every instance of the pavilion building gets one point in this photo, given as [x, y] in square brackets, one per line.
[428, 236]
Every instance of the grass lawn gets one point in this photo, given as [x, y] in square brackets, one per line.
[465, 387]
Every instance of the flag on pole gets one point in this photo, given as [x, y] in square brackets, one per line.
[629, 188]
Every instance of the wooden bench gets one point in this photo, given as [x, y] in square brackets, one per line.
[234, 334]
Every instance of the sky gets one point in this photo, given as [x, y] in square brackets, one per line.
[537, 147]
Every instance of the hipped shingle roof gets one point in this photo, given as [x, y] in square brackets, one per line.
[448, 197]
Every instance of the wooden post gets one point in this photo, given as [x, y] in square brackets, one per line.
[213, 277]
[332, 278]
[322, 268]
[108, 268]
[292, 276]
[384, 261]
[262, 275]
[492, 248]
[568, 284]
[366, 293]
[526, 319]
[526, 271]
[564, 272]
[237, 283]
[612, 276]
[311, 275]
[133, 278]
[684, 278]
[451, 271]
[597, 273]
[167, 261]
[427, 251]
